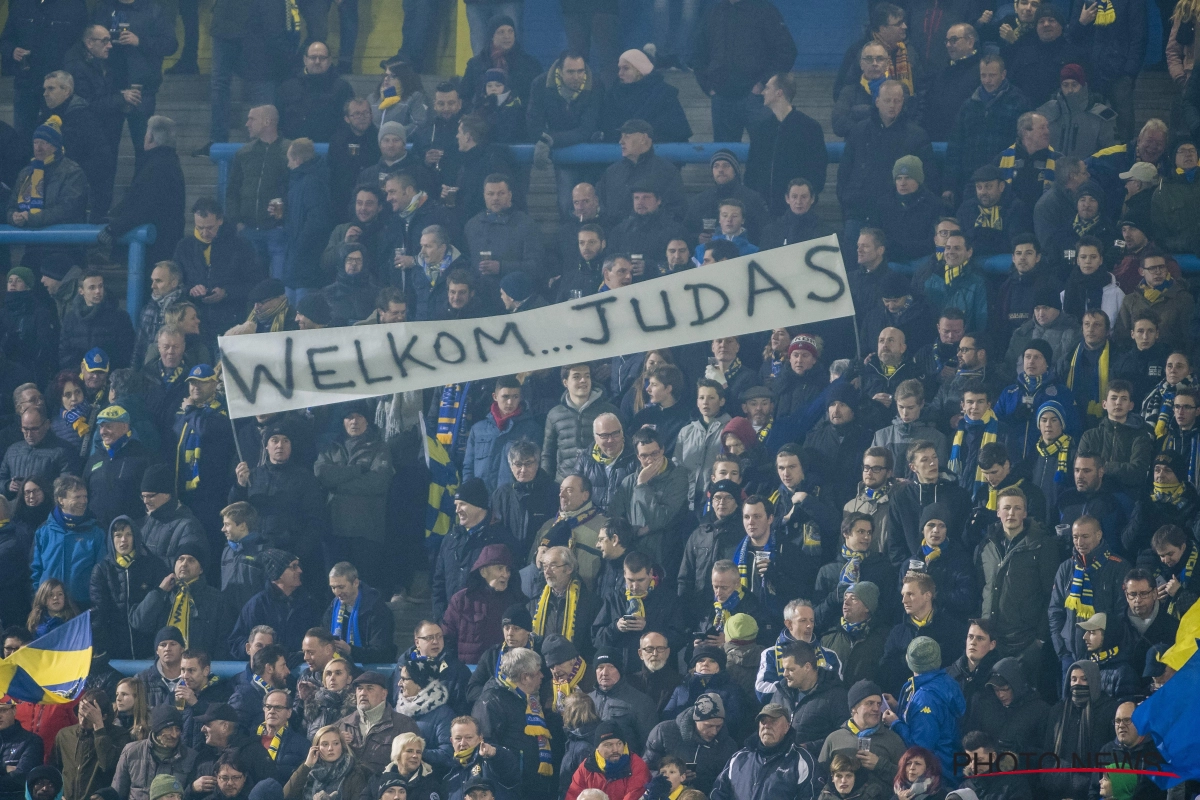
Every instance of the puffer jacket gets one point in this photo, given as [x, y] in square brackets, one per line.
[1018, 726]
[651, 99]
[105, 326]
[114, 480]
[170, 528]
[472, 620]
[696, 448]
[793, 393]
[1080, 125]
[68, 553]
[629, 786]
[357, 473]
[712, 541]
[88, 759]
[138, 766]
[524, 509]
[818, 713]
[487, 446]
[687, 693]
[114, 593]
[501, 716]
[678, 737]
[20, 750]
[1017, 582]
[929, 715]
[569, 433]
[625, 704]
[899, 435]
[967, 292]
[606, 478]
[756, 772]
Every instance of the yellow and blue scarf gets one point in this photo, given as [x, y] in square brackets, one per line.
[1097, 381]
[991, 430]
[181, 610]
[1168, 493]
[187, 470]
[450, 413]
[745, 562]
[613, 770]
[723, 611]
[1079, 596]
[930, 552]
[77, 418]
[276, 740]
[388, 98]
[1176, 442]
[344, 621]
[1183, 573]
[1105, 14]
[563, 689]
[31, 196]
[543, 606]
[1154, 295]
[1060, 448]
[852, 569]
[601, 459]
[989, 218]
[1008, 165]
[535, 724]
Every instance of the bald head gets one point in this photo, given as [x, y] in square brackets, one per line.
[891, 346]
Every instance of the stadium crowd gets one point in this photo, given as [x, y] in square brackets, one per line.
[887, 557]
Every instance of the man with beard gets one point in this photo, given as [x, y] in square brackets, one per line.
[657, 677]
[369, 731]
[365, 229]
[642, 606]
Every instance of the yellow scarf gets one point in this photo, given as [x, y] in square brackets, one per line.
[1168, 492]
[898, 67]
[921, 623]
[994, 495]
[600, 762]
[124, 561]
[181, 610]
[989, 218]
[678, 790]
[1094, 408]
[951, 274]
[388, 98]
[543, 606]
[276, 312]
[1152, 295]
[562, 689]
[207, 251]
[30, 197]
[293, 16]
[464, 756]
[273, 747]
[601, 459]
[637, 603]
[1105, 14]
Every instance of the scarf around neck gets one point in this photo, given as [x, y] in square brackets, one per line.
[563, 689]
[31, 195]
[722, 611]
[569, 611]
[745, 562]
[852, 569]
[991, 431]
[1079, 595]
[535, 724]
[1060, 450]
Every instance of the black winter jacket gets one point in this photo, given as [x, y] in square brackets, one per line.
[233, 266]
[290, 502]
[872, 148]
[376, 643]
[651, 99]
[311, 105]
[156, 196]
[115, 482]
[567, 122]
[105, 326]
[156, 34]
[781, 151]
[741, 44]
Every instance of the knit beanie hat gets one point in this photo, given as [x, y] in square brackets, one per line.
[163, 785]
[895, 284]
[727, 486]
[316, 308]
[1072, 72]
[25, 274]
[159, 479]
[50, 132]
[807, 341]
[558, 649]
[267, 789]
[909, 166]
[517, 285]
[923, 655]
[45, 772]
[518, 614]
[861, 691]
[741, 628]
[168, 634]
[473, 491]
[1052, 407]
[867, 594]
[638, 60]
[609, 729]
[165, 716]
[55, 266]
[726, 155]
[938, 511]
[275, 562]
[708, 706]
[496, 76]
[717, 654]
[843, 393]
[1043, 347]
[1174, 459]
[394, 128]
[608, 655]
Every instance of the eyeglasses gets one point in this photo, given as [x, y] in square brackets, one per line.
[608, 437]
[269, 707]
[549, 566]
[230, 778]
[1139, 595]
[433, 637]
[1122, 721]
[954, 39]
[1179, 407]
[962, 349]
[874, 470]
[101, 39]
[874, 59]
[656, 651]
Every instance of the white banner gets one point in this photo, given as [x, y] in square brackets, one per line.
[793, 285]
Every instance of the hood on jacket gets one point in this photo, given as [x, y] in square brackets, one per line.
[138, 546]
[1009, 670]
[492, 555]
[1092, 670]
[592, 398]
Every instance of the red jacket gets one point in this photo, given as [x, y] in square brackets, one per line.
[47, 720]
[589, 776]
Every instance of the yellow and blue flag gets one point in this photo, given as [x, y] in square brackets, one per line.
[1168, 717]
[52, 669]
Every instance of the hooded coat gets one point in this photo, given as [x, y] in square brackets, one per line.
[1018, 727]
[472, 619]
[1074, 731]
[67, 553]
[115, 591]
[1080, 124]
[457, 559]
[350, 297]
[929, 715]
[488, 444]
[521, 67]
[678, 737]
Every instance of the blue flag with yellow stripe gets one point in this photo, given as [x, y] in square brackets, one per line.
[443, 482]
[52, 669]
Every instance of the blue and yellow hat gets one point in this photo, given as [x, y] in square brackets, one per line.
[202, 372]
[112, 414]
[96, 360]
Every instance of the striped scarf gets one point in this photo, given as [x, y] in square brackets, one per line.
[344, 621]
[1183, 572]
[30, 196]
[563, 689]
[994, 493]
[77, 418]
[722, 611]
[1153, 295]
[930, 552]
[601, 459]
[1159, 406]
[951, 274]
[1008, 165]
[1083, 227]
[635, 604]
[852, 569]
[745, 561]
[168, 375]
[276, 739]
[765, 432]
[568, 622]
[450, 413]
[123, 561]
[1079, 596]
[899, 69]
[1105, 14]
[535, 724]
[1176, 441]
[991, 429]
[272, 318]
[187, 470]
[853, 629]
[1100, 656]
[181, 610]
[872, 87]
[989, 218]
[1097, 382]
[1060, 447]
[292, 18]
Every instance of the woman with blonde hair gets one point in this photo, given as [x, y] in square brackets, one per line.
[636, 397]
[51, 608]
[330, 770]
[1181, 44]
[186, 317]
[408, 767]
[579, 723]
[130, 708]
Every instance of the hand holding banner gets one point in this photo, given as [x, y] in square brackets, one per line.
[794, 285]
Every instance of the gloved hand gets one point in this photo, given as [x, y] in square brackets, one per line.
[659, 788]
[105, 236]
[715, 373]
[541, 152]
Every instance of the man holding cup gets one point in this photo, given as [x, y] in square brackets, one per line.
[864, 737]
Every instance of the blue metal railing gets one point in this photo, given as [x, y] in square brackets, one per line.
[680, 153]
[137, 239]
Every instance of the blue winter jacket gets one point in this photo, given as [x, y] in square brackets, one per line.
[930, 707]
[487, 447]
[743, 244]
[1017, 423]
[68, 555]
